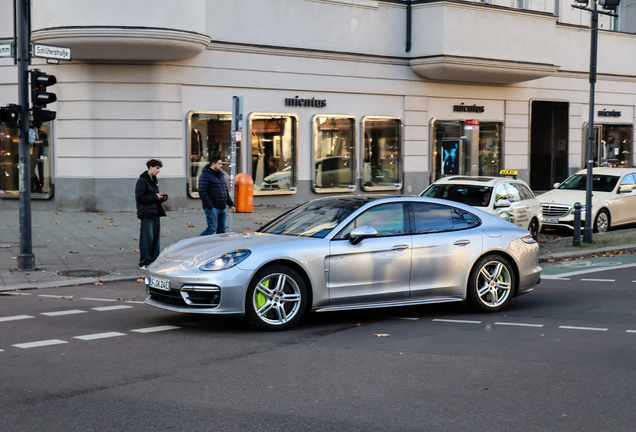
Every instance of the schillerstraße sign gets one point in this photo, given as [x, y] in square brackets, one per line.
[51, 52]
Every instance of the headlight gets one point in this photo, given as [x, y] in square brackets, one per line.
[226, 261]
[528, 239]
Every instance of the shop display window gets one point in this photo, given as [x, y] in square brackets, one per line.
[460, 147]
[382, 163]
[40, 161]
[273, 150]
[209, 135]
[334, 153]
[612, 146]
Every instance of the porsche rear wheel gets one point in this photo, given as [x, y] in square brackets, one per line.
[491, 284]
[276, 298]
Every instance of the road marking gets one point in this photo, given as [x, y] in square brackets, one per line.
[40, 343]
[97, 299]
[155, 329]
[630, 331]
[458, 321]
[553, 277]
[1, 350]
[519, 324]
[16, 317]
[55, 296]
[583, 328]
[134, 301]
[66, 312]
[15, 293]
[598, 280]
[594, 270]
[100, 336]
[110, 308]
[404, 318]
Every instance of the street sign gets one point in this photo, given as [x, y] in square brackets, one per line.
[5, 50]
[51, 52]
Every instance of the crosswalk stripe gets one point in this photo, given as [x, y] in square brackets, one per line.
[109, 308]
[156, 329]
[16, 317]
[97, 299]
[100, 336]
[40, 343]
[599, 280]
[457, 321]
[66, 312]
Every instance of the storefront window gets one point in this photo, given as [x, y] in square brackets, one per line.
[334, 153]
[40, 161]
[273, 153]
[209, 136]
[465, 147]
[382, 165]
[612, 145]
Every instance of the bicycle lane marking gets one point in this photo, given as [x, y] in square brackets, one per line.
[578, 267]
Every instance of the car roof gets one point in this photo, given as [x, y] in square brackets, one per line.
[609, 171]
[477, 180]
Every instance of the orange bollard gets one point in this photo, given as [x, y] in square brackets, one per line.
[243, 193]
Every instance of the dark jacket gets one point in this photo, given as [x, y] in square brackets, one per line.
[148, 203]
[213, 190]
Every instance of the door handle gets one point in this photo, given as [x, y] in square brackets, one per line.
[400, 247]
[461, 242]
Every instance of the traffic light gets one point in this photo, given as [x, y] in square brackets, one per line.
[10, 115]
[39, 82]
[40, 97]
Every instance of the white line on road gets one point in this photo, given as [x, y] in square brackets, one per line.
[15, 293]
[55, 296]
[404, 318]
[97, 299]
[66, 312]
[1, 350]
[15, 317]
[594, 270]
[134, 301]
[519, 324]
[99, 336]
[156, 329]
[110, 308]
[583, 328]
[553, 277]
[630, 331]
[458, 321]
[40, 343]
[598, 280]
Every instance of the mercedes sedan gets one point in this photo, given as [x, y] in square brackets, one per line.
[341, 253]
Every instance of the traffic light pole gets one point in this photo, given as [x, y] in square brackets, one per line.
[26, 258]
[587, 232]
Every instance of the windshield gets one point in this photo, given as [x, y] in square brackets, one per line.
[476, 196]
[600, 183]
[314, 219]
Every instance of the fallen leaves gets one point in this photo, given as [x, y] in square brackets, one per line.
[14, 257]
[98, 283]
[100, 227]
[258, 223]
[135, 250]
[49, 241]
[141, 280]
[73, 252]
[7, 246]
[57, 223]
[91, 246]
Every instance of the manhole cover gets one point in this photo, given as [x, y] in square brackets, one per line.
[83, 273]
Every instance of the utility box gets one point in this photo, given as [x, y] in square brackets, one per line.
[244, 193]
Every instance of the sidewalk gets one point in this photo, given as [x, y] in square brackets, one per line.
[103, 247]
[95, 247]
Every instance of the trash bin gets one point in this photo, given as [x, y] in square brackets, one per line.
[243, 193]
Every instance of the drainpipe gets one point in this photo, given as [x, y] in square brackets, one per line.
[408, 25]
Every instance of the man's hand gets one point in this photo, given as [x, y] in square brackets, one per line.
[233, 209]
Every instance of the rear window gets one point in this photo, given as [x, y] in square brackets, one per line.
[472, 195]
[600, 183]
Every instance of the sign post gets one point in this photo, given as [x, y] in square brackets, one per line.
[237, 137]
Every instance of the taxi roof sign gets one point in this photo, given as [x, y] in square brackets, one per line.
[513, 173]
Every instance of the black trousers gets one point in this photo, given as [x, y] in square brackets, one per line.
[149, 240]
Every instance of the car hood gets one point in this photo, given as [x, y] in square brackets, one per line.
[569, 197]
[193, 252]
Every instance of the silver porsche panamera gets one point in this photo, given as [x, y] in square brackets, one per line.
[340, 253]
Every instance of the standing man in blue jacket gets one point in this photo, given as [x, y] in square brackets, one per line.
[214, 197]
[149, 211]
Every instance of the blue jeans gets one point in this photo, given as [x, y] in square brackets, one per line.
[216, 221]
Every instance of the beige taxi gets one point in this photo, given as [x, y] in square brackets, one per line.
[613, 199]
[507, 197]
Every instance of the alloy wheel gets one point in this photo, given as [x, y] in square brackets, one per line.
[494, 284]
[277, 299]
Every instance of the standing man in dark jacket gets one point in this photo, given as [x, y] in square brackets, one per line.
[214, 196]
[149, 210]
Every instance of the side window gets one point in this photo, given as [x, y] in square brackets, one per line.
[501, 193]
[513, 193]
[525, 192]
[386, 219]
[432, 218]
[628, 180]
[463, 219]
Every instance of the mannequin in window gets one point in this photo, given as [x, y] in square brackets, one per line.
[257, 154]
[37, 161]
[196, 145]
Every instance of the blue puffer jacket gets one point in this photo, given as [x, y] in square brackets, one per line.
[213, 190]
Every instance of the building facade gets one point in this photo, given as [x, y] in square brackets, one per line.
[340, 96]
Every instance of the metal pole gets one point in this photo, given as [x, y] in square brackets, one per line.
[26, 259]
[587, 232]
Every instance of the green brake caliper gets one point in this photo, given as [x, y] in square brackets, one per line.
[260, 297]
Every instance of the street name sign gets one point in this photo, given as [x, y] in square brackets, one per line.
[51, 52]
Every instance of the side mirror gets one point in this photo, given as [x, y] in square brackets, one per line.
[502, 203]
[624, 190]
[556, 185]
[361, 233]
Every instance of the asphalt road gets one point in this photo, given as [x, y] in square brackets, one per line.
[561, 358]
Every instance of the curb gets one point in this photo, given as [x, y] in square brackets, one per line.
[63, 283]
[585, 252]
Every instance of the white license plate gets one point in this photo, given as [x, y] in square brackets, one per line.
[161, 284]
[551, 220]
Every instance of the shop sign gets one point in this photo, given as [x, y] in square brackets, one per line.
[298, 102]
[471, 124]
[606, 113]
[469, 108]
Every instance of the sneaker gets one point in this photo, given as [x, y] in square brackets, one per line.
[143, 267]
